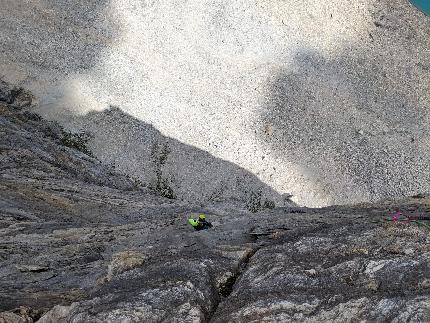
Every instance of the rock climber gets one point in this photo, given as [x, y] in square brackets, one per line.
[201, 223]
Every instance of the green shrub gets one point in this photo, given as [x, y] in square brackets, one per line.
[77, 141]
[255, 202]
[161, 185]
[269, 204]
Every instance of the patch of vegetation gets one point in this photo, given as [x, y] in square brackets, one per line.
[137, 184]
[30, 116]
[162, 188]
[53, 130]
[256, 203]
[253, 203]
[161, 185]
[77, 141]
[269, 204]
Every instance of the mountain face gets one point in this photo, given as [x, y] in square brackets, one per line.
[82, 242]
[324, 100]
[121, 119]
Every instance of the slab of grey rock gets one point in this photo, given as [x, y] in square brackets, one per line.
[81, 242]
[324, 100]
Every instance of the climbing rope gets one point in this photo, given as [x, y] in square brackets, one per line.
[417, 219]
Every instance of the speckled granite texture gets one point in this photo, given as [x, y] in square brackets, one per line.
[80, 242]
[328, 101]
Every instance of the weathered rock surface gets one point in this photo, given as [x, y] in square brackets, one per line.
[327, 100]
[80, 242]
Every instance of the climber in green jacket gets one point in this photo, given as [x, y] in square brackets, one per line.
[200, 224]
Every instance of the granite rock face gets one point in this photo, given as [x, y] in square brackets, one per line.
[81, 242]
[328, 101]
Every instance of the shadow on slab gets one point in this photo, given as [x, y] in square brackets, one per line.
[171, 168]
[357, 122]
